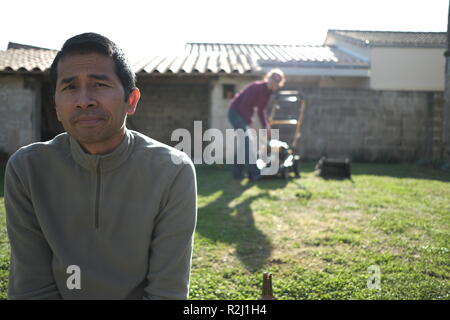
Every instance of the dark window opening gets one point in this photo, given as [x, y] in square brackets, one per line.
[228, 91]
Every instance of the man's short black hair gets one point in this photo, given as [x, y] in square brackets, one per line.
[95, 43]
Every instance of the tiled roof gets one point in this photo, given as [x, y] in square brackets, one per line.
[15, 45]
[213, 58]
[392, 38]
[223, 58]
[26, 59]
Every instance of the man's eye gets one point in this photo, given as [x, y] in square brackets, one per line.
[69, 87]
[99, 84]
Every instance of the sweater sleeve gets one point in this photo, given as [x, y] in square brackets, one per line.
[263, 101]
[30, 274]
[246, 100]
[172, 240]
[262, 113]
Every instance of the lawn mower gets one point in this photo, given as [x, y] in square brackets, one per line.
[290, 105]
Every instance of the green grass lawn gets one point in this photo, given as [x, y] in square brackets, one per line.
[317, 237]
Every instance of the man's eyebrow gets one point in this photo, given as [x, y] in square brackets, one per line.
[99, 76]
[102, 77]
[66, 80]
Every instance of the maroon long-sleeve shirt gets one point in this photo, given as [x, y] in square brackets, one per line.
[256, 94]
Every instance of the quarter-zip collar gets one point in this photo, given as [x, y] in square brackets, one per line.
[109, 161]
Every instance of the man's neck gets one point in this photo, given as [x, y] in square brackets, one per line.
[105, 147]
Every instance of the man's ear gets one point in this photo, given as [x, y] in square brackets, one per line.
[133, 100]
[57, 114]
[56, 109]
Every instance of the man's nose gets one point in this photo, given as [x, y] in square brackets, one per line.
[85, 99]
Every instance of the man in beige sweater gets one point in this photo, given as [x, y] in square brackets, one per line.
[100, 211]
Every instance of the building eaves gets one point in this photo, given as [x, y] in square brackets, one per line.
[392, 38]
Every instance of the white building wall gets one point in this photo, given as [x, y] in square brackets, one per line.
[416, 69]
[393, 68]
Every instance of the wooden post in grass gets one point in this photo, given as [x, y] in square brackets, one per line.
[267, 292]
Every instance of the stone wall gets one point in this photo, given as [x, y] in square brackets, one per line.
[20, 109]
[359, 123]
[446, 109]
[369, 125]
[170, 103]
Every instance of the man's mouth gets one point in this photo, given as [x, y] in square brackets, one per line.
[89, 121]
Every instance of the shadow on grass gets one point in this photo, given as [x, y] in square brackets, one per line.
[225, 218]
[395, 170]
[411, 171]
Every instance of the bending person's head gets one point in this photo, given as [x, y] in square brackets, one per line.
[275, 79]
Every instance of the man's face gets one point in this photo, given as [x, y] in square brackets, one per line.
[90, 100]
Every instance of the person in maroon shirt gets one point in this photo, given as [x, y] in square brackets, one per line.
[242, 107]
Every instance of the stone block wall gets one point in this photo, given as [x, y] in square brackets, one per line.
[369, 125]
[446, 107]
[20, 109]
[359, 123]
[170, 103]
